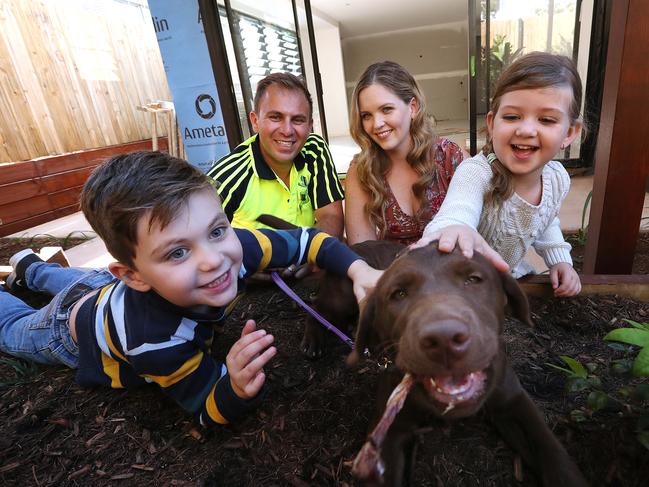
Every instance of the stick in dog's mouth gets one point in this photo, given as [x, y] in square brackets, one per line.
[447, 390]
[368, 464]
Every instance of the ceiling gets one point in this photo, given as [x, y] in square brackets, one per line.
[363, 17]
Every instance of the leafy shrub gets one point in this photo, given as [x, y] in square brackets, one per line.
[629, 400]
[638, 336]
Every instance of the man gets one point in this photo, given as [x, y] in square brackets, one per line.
[284, 169]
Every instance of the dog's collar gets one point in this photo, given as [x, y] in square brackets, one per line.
[384, 361]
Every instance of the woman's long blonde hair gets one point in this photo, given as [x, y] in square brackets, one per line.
[372, 164]
[532, 71]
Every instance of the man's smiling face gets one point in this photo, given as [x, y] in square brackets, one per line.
[283, 122]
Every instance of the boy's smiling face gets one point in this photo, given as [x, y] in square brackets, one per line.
[194, 260]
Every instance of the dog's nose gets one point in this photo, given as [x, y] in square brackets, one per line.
[447, 339]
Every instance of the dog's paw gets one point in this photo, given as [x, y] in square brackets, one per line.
[311, 349]
[311, 346]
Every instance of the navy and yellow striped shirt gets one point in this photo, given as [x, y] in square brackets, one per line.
[129, 338]
[248, 186]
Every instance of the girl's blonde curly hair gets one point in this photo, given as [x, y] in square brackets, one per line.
[372, 164]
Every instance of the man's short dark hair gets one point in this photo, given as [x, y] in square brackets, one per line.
[287, 81]
[128, 187]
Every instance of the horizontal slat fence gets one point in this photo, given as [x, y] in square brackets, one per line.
[72, 74]
[41, 190]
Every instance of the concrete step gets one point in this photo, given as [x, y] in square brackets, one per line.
[90, 254]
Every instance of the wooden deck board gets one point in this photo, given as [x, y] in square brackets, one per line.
[633, 286]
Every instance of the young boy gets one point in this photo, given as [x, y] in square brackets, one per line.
[179, 266]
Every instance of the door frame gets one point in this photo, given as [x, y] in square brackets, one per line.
[214, 35]
[594, 82]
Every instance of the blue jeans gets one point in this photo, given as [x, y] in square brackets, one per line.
[43, 335]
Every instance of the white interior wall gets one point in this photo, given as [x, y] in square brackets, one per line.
[332, 74]
[435, 55]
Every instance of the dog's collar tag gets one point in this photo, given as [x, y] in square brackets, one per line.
[384, 363]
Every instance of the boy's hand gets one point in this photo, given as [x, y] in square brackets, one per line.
[364, 278]
[246, 359]
[467, 239]
[293, 271]
[565, 280]
[298, 271]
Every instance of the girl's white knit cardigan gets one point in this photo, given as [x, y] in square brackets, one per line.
[514, 225]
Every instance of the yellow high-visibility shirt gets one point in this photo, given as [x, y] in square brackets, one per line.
[248, 187]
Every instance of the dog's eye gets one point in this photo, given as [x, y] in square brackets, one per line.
[473, 279]
[399, 294]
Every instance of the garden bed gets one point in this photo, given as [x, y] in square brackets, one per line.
[315, 416]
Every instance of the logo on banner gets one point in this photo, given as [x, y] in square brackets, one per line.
[160, 25]
[205, 101]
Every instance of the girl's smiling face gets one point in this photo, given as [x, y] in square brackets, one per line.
[386, 118]
[530, 127]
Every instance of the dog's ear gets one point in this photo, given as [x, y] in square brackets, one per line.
[516, 298]
[275, 222]
[364, 329]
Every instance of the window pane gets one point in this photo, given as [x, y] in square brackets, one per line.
[512, 28]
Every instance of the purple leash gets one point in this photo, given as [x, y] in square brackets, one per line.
[284, 287]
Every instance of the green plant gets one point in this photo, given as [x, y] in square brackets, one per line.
[501, 55]
[582, 234]
[630, 400]
[638, 335]
[578, 375]
[23, 371]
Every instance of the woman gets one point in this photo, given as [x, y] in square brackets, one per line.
[398, 181]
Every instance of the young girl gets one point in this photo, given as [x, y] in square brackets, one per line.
[512, 192]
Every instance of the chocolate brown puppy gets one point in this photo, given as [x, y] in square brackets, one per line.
[335, 299]
[439, 318]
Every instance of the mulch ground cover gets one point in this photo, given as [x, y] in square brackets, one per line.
[315, 416]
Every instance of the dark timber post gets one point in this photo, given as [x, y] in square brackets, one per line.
[218, 56]
[316, 68]
[622, 154]
[474, 73]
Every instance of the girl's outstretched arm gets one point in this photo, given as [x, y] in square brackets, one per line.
[458, 218]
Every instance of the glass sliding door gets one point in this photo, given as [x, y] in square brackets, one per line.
[262, 38]
[510, 28]
[304, 21]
